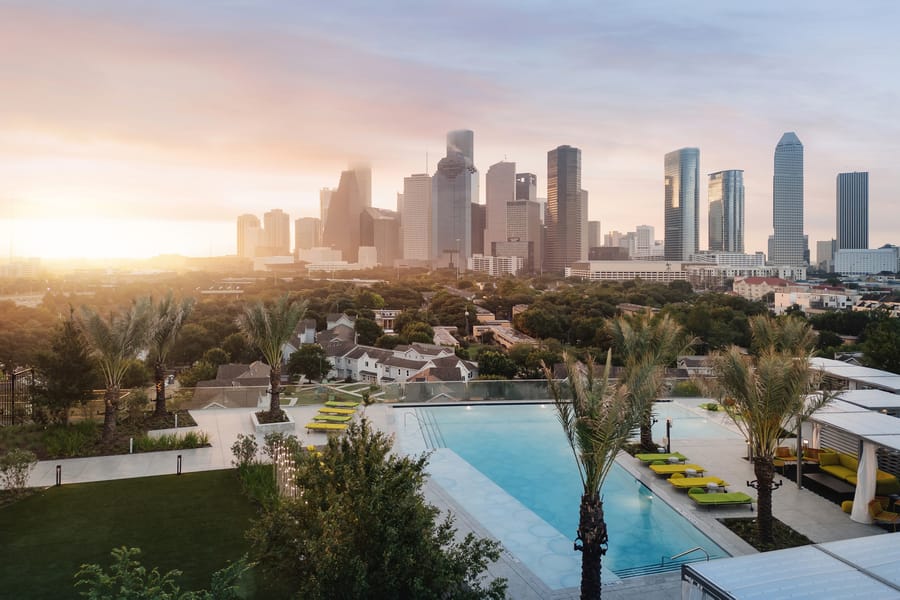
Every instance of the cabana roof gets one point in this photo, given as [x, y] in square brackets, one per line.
[872, 399]
[875, 378]
[875, 427]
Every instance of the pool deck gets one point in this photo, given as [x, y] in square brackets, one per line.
[806, 512]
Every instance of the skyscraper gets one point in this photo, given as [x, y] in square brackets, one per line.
[379, 228]
[564, 218]
[347, 202]
[276, 233]
[500, 190]
[248, 234]
[453, 189]
[526, 186]
[852, 211]
[726, 211]
[595, 239]
[415, 217]
[306, 233]
[682, 203]
[788, 245]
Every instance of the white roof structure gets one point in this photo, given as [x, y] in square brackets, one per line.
[867, 567]
[858, 376]
[875, 427]
[872, 399]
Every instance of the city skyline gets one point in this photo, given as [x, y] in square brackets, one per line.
[149, 129]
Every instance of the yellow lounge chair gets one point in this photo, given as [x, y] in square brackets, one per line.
[667, 469]
[337, 411]
[332, 418]
[326, 427]
[685, 483]
[342, 404]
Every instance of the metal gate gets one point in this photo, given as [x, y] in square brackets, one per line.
[16, 390]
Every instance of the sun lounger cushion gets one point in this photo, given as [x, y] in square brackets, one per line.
[703, 498]
[654, 456]
[684, 483]
[332, 418]
[326, 426]
[667, 469]
[342, 403]
[337, 411]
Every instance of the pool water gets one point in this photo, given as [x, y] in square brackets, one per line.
[522, 449]
[689, 424]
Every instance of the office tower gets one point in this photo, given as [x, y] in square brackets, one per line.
[500, 190]
[324, 200]
[726, 211]
[825, 250]
[788, 245]
[526, 186]
[453, 189]
[524, 234]
[306, 233]
[479, 216]
[615, 239]
[347, 202]
[564, 216]
[247, 235]
[594, 236]
[682, 204]
[852, 211]
[276, 233]
[643, 242]
[415, 219]
[379, 228]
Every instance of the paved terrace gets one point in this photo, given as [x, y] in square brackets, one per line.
[806, 512]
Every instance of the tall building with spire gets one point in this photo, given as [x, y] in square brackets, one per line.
[788, 245]
[565, 218]
[726, 211]
[682, 203]
[852, 211]
[453, 189]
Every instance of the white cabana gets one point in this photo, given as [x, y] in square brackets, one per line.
[877, 400]
[858, 377]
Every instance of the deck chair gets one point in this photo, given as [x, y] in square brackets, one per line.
[704, 498]
[664, 457]
[337, 411]
[326, 427]
[342, 404]
[685, 483]
[881, 516]
[668, 469]
[332, 418]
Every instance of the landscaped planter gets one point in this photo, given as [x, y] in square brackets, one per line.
[180, 432]
[266, 428]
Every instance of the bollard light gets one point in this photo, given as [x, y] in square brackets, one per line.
[58, 475]
[178, 472]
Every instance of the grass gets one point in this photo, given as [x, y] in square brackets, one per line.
[785, 537]
[193, 522]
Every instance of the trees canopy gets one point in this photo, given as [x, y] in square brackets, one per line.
[309, 361]
[881, 349]
[362, 529]
[167, 318]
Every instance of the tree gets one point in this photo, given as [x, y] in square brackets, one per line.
[168, 317]
[492, 362]
[115, 341]
[367, 331]
[269, 329]
[67, 373]
[641, 340]
[597, 419]
[881, 349]
[310, 361]
[362, 529]
[767, 394]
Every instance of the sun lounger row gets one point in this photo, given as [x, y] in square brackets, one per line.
[703, 490]
[333, 417]
[706, 498]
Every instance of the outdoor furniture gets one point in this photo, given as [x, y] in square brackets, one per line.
[684, 483]
[342, 404]
[881, 516]
[704, 498]
[653, 456]
[667, 469]
[783, 456]
[332, 418]
[844, 466]
[326, 427]
[337, 411]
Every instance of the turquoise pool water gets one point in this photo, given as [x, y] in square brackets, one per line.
[688, 424]
[522, 450]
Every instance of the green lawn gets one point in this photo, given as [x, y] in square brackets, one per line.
[193, 522]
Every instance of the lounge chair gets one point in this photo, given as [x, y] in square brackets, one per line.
[337, 411]
[705, 498]
[332, 418]
[684, 483]
[342, 404]
[326, 427]
[881, 516]
[783, 456]
[668, 469]
[654, 456]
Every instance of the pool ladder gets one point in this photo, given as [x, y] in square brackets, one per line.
[662, 559]
[430, 432]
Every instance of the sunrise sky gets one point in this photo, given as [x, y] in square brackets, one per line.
[131, 129]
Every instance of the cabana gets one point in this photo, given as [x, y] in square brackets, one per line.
[854, 377]
[875, 400]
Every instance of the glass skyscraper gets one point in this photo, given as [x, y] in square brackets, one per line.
[788, 245]
[852, 211]
[682, 204]
[454, 188]
[565, 221]
[726, 211]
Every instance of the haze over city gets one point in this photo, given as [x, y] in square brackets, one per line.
[130, 130]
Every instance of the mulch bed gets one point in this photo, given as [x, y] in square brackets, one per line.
[785, 537]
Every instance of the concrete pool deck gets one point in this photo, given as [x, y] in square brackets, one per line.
[803, 510]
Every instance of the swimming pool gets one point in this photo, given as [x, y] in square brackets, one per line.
[688, 424]
[522, 450]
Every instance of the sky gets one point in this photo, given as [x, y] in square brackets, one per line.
[130, 129]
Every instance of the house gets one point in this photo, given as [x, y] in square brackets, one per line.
[756, 288]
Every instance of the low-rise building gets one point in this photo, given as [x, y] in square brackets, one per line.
[756, 288]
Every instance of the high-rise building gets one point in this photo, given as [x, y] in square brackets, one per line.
[276, 233]
[500, 190]
[324, 201]
[248, 234]
[453, 189]
[825, 250]
[594, 237]
[478, 217]
[726, 211]
[347, 202]
[524, 234]
[306, 233]
[379, 228]
[788, 245]
[526, 186]
[682, 203]
[564, 216]
[415, 219]
[852, 211]
[643, 242]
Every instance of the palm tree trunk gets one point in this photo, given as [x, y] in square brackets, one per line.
[159, 374]
[765, 474]
[646, 431]
[111, 409]
[593, 536]
[275, 393]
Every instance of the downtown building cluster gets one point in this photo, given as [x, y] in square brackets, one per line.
[439, 222]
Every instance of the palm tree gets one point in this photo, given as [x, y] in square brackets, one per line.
[597, 421]
[166, 320]
[269, 330]
[114, 342]
[641, 340]
[766, 395]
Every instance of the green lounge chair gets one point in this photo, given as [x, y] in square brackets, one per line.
[704, 498]
[326, 427]
[337, 411]
[332, 418]
[684, 483]
[342, 404]
[667, 469]
[655, 456]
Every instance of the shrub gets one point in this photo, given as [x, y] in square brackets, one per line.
[71, 440]
[244, 450]
[288, 441]
[710, 406]
[258, 482]
[15, 467]
[685, 389]
[171, 441]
